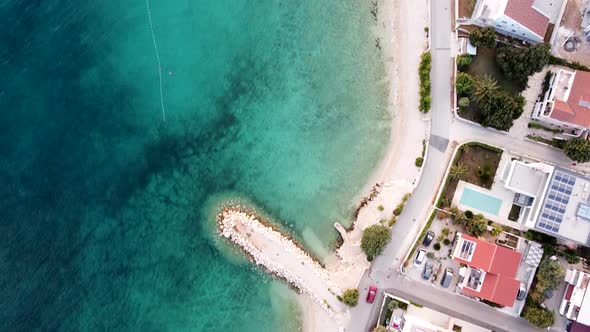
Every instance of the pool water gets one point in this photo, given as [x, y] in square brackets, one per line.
[480, 201]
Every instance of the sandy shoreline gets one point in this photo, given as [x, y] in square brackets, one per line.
[400, 30]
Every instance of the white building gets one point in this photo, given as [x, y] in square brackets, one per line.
[575, 305]
[522, 19]
[566, 103]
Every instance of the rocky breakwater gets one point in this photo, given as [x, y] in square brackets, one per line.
[280, 256]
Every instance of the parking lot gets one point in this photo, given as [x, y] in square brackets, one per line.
[440, 259]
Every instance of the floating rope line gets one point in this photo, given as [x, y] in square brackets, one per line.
[147, 2]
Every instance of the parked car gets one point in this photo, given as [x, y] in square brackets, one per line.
[372, 293]
[521, 292]
[428, 268]
[419, 257]
[428, 238]
[447, 278]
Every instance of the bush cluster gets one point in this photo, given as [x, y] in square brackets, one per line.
[577, 149]
[520, 63]
[483, 37]
[424, 73]
[350, 297]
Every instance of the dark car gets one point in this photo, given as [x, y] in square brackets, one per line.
[428, 267]
[428, 238]
[521, 292]
[447, 278]
[372, 293]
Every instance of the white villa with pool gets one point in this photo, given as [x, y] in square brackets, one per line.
[533, 195]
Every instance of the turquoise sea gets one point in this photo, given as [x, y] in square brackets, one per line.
[106, 209]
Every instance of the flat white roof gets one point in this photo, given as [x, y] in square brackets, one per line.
[528, 178]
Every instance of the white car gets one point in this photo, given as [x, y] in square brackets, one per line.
[420, 257]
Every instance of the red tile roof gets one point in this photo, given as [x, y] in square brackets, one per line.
[570, 110]
[492, 258]
[522, 11]
[501, 265]
[498, 289]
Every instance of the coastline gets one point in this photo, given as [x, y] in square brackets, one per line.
[402, 39]
[396, 173]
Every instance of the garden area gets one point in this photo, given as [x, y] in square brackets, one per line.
[488, 85]
[475, 163]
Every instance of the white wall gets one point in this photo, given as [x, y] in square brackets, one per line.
[507, 26]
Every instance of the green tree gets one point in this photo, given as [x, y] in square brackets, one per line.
[549, 275]
[458, 171]
[520, 63]
[477, 226]
[577, 149]
[483, 37]
[499, 109]
[484, 88]
[464, 84]
[539, 317]
[463, 61]
[374, 240]
[351, 297]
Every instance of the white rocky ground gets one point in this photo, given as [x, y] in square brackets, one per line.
[282, 257]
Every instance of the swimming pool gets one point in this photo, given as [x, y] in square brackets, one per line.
[480, 201]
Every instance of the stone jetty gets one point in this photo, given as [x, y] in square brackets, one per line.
[280, 256]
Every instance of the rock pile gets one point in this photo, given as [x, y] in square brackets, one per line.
[236, 226]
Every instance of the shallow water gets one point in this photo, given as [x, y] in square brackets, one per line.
[105, 209]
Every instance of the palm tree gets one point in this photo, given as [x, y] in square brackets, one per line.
[458, 171]
[484, 87]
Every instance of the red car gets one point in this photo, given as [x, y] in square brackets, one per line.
[372, 293]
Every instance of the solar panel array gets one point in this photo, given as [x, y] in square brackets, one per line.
[559, 195]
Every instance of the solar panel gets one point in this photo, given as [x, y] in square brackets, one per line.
[556, 202]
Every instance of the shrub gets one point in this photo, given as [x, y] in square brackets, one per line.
[479, 172]
[398, 210]
[436, 246]
[528, 235]
[463, 61]
[463, 84]
[445, 231]
[537, 316]
[440, 237]
[577, 149]
[380, 208]
[442, 214]
[458, 171]
[464, 102]
[430, 255]
[477, 226]
[374, 240]
[351, 297]
[483, 37]
[392, 221]
[571, 256]
[468, 214]
[496, 230]
[419, 162]
[446, 242]
[424, 73]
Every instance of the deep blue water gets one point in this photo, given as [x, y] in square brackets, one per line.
[106, 210]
